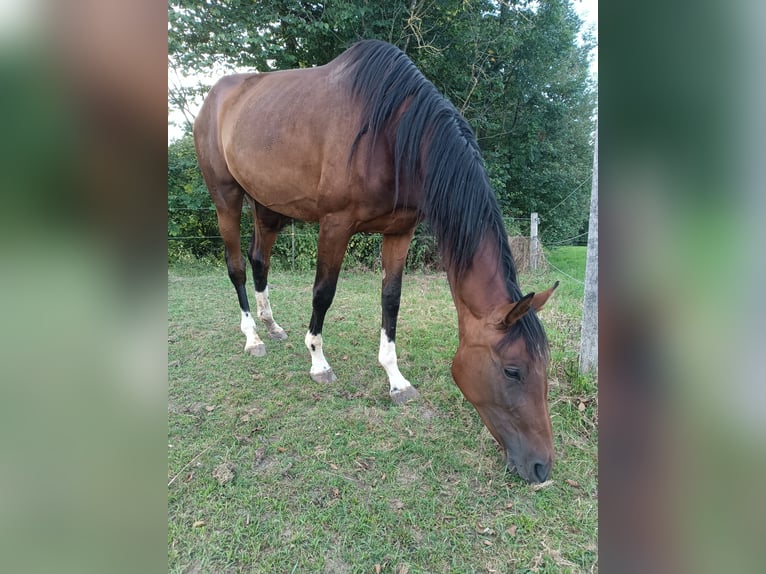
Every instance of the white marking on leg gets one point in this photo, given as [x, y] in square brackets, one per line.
[387, 358]
[247, 326]
[264, 308]
[265, 314]
[319, 364]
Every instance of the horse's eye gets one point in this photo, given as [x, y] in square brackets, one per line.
[512, 374]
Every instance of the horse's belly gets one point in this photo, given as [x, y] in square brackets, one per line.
[279, 176]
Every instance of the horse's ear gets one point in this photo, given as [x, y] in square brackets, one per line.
[508, 314]
[539, 299]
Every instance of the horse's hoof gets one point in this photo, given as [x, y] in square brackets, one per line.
[278, 334]
[258, 350]
[404, 395]
[324, 377]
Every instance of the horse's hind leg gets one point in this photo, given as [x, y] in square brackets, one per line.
[228, 203]
[394, 254]
[227, 196]
[266, 227]
[333, 240]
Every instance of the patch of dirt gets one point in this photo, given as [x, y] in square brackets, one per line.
[371, 417]
[407, 475]
[249, 413]
[197, 408]
[224, 473]
[259, 459]
[428, 413]
[334, 564]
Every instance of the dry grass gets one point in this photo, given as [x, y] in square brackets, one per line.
[522, 255]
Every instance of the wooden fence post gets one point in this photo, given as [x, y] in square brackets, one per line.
[589, 330]
[534, 244]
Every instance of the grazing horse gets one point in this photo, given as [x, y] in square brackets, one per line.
[366, 143]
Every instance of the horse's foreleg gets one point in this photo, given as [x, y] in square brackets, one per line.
[228, 224]
[331, 248]
[265, 229]
[394, 257]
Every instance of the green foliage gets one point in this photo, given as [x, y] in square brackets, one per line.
[364, 250]
[192, 223]
[424, 253]
[516, 70]
[304, 239]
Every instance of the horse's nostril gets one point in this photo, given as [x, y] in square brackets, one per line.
[542, 471]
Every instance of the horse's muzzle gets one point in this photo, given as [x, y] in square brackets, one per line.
[542, 471]
[532, 471]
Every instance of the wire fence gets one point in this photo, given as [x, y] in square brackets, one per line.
[567, 241]
[565, 274]
[583, 182]
[305, 235]
[246, 236]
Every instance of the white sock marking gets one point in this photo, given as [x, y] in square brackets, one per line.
[264, 311]
[318, 363]
[387, 358]
[264, 308]
[247, 326]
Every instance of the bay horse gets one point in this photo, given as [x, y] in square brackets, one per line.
[366, 143]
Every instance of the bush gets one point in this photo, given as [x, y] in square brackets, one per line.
[306, 236]
[424, 253]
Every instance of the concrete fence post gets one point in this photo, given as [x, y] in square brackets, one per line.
[589, 329]
[534, 243]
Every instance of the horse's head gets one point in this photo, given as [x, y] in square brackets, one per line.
[508, 386]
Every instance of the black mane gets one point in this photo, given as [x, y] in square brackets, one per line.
[459, 203]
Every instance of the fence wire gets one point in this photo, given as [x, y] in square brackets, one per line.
[566, 274]
[515, 225]
[552, 209]
[549, 243]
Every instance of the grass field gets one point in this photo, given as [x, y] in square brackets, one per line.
[271, 472]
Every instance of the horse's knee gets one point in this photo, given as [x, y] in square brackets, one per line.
[260, 271]
[236, 268]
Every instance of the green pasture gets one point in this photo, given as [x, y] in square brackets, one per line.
[269, 471]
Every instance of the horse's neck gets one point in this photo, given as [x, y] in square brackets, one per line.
[482, 289]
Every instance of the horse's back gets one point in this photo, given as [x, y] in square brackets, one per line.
[286, 138]
[281, 135]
